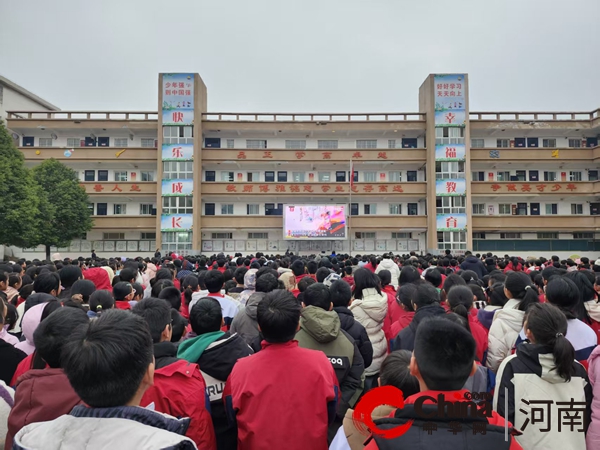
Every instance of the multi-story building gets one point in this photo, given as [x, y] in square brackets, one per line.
[190, 180]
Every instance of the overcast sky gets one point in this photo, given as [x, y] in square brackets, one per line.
[304, 55]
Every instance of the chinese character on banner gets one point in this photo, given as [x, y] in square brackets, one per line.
[480, 427]
[135, 188]
[451, 222]
[511, 187]
[231, 188]
[538, 415]
[248, 188]
[177, 117]
[398, 188]
[573, 415]
[430, 427]
[382, 155]
[496, 187]
[571, 187]
[99, 188]
[368, 188]
[264, 188]
[241, 155]
[326, 155]
[308, 189]
[339, 188]
[454, 428]
[177, 188]
[300, 155]
[175, 222]
[357, 155]
[450, 152]
[450, 117]
[280, 188]
[117, 188]
[450, 187]
[383, 188]
[177, 152]
[540, 187]
[526, 188]
[294, 188]
[325, 188]
[267, 155]
[556, 187]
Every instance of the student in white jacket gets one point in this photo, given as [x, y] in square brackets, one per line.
[508, 321]
[387, 263]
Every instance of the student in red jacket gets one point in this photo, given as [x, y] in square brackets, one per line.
[179, 389]
[123, 293]
[406, 295]
[393, 311]
[283, 396]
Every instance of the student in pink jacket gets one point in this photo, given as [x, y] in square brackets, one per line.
[593, 434]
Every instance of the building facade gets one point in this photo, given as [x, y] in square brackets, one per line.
[188, 180]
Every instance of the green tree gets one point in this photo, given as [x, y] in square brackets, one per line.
[64, 205]
[19, 197]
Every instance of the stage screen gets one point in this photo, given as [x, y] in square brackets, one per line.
[314, 222]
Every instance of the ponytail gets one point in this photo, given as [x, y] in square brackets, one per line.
[462, 311]
[100, 301]
[519, 285]
[460, 299]
[190, 285]
[564, 355]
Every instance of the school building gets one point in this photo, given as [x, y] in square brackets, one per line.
[183, 178]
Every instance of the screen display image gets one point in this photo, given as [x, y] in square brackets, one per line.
[314, 222]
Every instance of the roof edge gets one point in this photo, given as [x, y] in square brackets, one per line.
[28, 94]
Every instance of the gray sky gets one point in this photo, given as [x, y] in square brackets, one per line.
[304, 55]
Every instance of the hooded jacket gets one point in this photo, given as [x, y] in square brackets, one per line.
[7, 337]
[388, 264]
[473, 263]
[403, 321]
[406, 338]
[593, 309]
[31, 320]
[358, 333]
[244, 323]
[504, 331]
[529, 377]
[321, 330]
[593, 434]
[40, 395]
[10, 293]
[370, 311]
[100, 277]
[249, 286]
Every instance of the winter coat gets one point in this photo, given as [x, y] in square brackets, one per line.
[7, 337]
[321, 330]
[394, 312]
[10, 293]
[485, 316]
[510, 266]
[593, 309]
[506, 325]
[244, 323]
[476, 265]
[299, 386]
[403, 321]
[40, 395]
[349, 437]
[100, 277]
[229, 306]
[593, 434]
[388, 264]
[249, 286]
[31, 320]
[7, 396]
[358, 333]
[529, 376]
[406, 338]
[480, 334]
[121, 427]
[370, 311]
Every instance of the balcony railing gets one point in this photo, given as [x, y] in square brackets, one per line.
[533, 224]
[313, 117]
[312, 155]
[534, 188]
[83, 115]
[91, 154]
[542, 116]
[417, 189]
[394, 222]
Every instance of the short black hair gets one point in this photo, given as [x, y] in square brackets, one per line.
[304, 283]
[156, 313]
[206, 316]
[214, 281]
[340, 293]
[69, 274]
[128, 274]
[563, 293]
[297, 267]
[444, 352]
[54, 331]
[395, 371]
[121, 290]
[172, 295]
[317, 295]
[278, 315]
[178, 324]
[266, 283]
[46, 282]
[426, 295]
[138, 288]
[385, 276]
[239, 273]
[104, 372]
[453, 280]
[434, 277]
[85, 288]
[406, 295]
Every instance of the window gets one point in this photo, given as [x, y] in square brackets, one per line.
[222, 235]
[366, 143]
[478, 235]
[256, 143]
[369, 177]
[510, 235]
[411, 175]
[574, 176]
[449, 170]
[282, 177]
[89, 175]
[178, 169]
[478, 176]
[211, 142]
[147, 176]
[178, 205]
[479, 208]
[256, 235]
[354, 209]
[120, 142]
[521, 175]
[45, 142]
[413, 209]
[270, 209]
[370, 209]
[90, 141]
[91, 208]
[503, 176]
[399, 235]
[230, 143]
[147, 209]
[452, 240]
[178, 135]
[583, 235]
[340, 176]
[227, 209]
[110, 236]
[254, 176]
[148, 142]
[364, 235]
[575, 143]
[73, 142]
[101, 209]
[576, 208]
[409, 142]
[148, 236]
[295, 144]
[450, 205]
[176, 241]
[548, 143]
[252, 209]
[120, 176]
[477, 143]
[549, 176]
[227, 177]
[551, 209]
[28, 141]
[209, 175]
[503, 143]
[593, 175]
[395, 209]
[327, 144]
[504, 208]
[391, 143]
[270, 177]
[446, 135]
[120, 208]
[298, 177]
[395, 176]
[209, 209]
[324, 177]
[547, 235]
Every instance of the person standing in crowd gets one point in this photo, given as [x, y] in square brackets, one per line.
[304, 378]
[473, 263]
[123, 293]
[544, 369]
[111, 379]
[69, 274]
[387, 263]
[214, 283]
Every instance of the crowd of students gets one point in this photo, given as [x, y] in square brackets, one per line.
[279, 351]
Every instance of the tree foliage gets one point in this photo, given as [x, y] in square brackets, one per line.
[20, 197]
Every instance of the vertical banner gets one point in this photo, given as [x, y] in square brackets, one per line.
[178, 99]
[450, 108]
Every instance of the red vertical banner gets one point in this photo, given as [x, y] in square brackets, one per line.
[382, 176]
[490, 176]
[240, 177]
[133, 176]
[351, 175]
[311, 177]
[563, 176]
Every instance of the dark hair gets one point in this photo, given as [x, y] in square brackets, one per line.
[444, 352]
[496, 295]
[322, 273]
[189, 285]
[278, 315]
[104, 372]
[178, 324]
[297, 267]
[385, 276]
[317, 295]
[138, 289]
[453, 280]
[53, 332]
[14, 279]
[563, 293]
[340, 293]
[121, 290]
[395, 371]
[85, 288]
[239, 273]
[408, 274]
[46, 282]
[460, 299]
[519, 285]
[406, 295]
[128, 274]
[214, 281]
[549, 325]
[266, 283]
[426, 295]
[365, 279]
[68, 275]
[206, 316]
[304, 283]
[156, 313]
[478, 292]
[159, 286]
[172, 296]
[586, 293]
[101, 300]
[434, 277]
